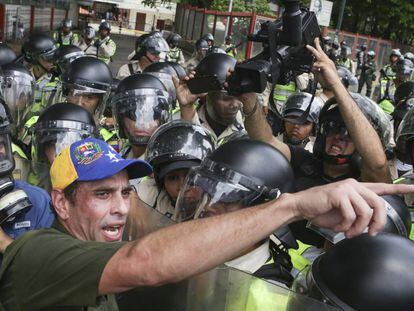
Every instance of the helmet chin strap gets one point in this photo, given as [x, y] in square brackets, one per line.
[338, 159]
[296, 142]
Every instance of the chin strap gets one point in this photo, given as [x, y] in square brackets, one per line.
[302, 142]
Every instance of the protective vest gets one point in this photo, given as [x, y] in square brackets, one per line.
[46, 93]
[229, 48]
[71, 39]
[110, 137]
[389, 71]
[22, 163]
[299, 262]
[174, 55]
[281, 92]
[104, 58]
[347, 63]
[387, 91]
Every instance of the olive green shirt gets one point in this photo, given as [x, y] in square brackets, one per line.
[49, 269]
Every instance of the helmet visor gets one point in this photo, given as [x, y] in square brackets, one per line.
[67, 59]
[49, 141]
[6, 154]
[141, 112]
[168, 83]
[18, 90]
[156, 44]
[205, 195]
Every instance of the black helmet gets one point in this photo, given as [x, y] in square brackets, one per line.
[371, 54]
[140, 105]
[404, 67]
[60, 125]
[405, 135]
[89, 32]
[216, 64]
[18, 87]
[174, 39]
[153, 43]
[67, 23]
[214, 50]
[165, 71]
[345, 51]
[330, 118]
[38, 45]
[363, 273]
[348, 78]
[86, 75]
[327, 40]
[296, 105]
[409, 55]
[105, 25]
[201, 44]
[404, 91]
[66, 54]
[363, 46]
[229, 38]
[400, 111]
[178, 145]
[208, 37]
[396, 52]
[7, 55]
[234, 176]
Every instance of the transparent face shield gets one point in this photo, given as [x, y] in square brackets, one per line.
[207, 192]
[157, 45]
[140, 112]
[6, 154]
[51, 138]
[166, 79]
[18, 90]
[64, 63]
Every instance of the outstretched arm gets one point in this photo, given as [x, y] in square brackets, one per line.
[180, 251]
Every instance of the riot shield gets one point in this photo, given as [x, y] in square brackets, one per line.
[143, 219]
[221, 289]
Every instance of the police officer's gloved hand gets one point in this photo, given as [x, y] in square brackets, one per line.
[98, 43]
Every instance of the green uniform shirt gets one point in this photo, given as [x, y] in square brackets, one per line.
[48, 269]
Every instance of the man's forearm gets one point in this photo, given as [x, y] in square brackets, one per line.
[364, 136]
[189, 248]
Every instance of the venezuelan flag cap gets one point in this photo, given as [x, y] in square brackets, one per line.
[92, 159]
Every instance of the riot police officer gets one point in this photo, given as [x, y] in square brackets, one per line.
[299, 123]
[348, 78]
[388, 71]
[221, 113]
[175, 54]
[105, 46]
[149, 48]
[18, 87]
[65, 36]
[361, 58]
[200, 49]
[231, 178]
[87, 41]
[345, 58]
[38, 50]
[209, 38]
[140, 105]
[57, 127]
[368, 73]
[172, 150]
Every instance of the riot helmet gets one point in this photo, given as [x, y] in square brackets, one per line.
[140, 105]
[215, 50]
[216, 64]
[330, 121]
[409, 56]
[105, 25]
[363, 46]
[7, 55]
[173, 40]
[403, 69]
[18, 87]
[59, 126]
[67, 23]
[396, 53]
[348, 78]
[38, 47]
[405, 137]
[87, 83]
[345, 51]
[363, 273]
[66, 54]
[152, 43]
[234, 177]
[209, 38]
[371, 54]
[228, 39]
[177, 145]
[89, 33]
[165, 71]
[201, 44]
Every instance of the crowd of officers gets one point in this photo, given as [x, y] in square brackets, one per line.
[65, 119]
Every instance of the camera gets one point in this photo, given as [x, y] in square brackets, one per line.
[284, 54]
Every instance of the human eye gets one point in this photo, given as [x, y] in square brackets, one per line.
[102, 194]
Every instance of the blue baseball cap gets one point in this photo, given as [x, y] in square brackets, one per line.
[92, 159]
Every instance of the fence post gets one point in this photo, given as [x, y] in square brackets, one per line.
[52, 17]
[249, 44]
[32, 17]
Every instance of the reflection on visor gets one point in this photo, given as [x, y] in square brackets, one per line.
[6, 156]
[333, 127]
[205, 195]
